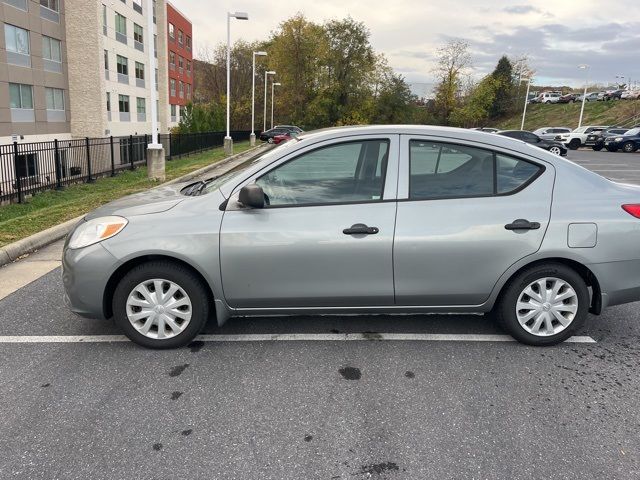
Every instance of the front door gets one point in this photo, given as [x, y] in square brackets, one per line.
[324, 239]
[456, 232]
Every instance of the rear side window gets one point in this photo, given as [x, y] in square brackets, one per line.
[439, 170]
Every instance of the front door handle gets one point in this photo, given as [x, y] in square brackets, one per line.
[360, 229]
[522, 224]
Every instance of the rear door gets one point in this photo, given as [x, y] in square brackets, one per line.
[456, 203]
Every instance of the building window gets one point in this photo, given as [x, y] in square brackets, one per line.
[108, 101]
[137, 33]
[51, 49]
[180, 37]
[188, 66]
[155, 46]
[123, 103]
[27, 165]
[16, 39]
[106, 60]
[188, 91]
[181, 89]
[104, 19]
[172, 87]
[156, 79]
[140, 70]
[50, 4]
[55, 98]
[172, 32]
[123, 65]
[141, 105]
[121, 28]
[172, 60]
[188, 42]
[21, 96]
[180, 61]
[173, 112]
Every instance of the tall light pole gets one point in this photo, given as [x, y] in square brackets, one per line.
[228, 142]
[264, 117]
[273, 98]
[526, 100]
[252, 137]
[584, 67]
[151, 74]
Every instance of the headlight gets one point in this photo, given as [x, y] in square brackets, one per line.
[96, 230]
[618, 139]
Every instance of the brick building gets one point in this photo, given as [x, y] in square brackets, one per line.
[180, 62]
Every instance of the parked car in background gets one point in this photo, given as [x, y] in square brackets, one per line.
[578, 137]
[613, 95]
[591, 97]
[283, 137]
[629, 142]
[550, 133]
[630, 95]
[551, 146]
[486, 129]
[547, 97]
[377, 219]
[568, 98]
[595, 139]
[267, 136]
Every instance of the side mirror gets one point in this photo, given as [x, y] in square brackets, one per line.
[252, 196]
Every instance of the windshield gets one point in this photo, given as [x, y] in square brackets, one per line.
[580, 130]
[217, 182]
[633, 131]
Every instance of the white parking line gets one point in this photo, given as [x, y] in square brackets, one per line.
[287, 337]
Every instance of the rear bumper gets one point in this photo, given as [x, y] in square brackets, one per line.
[619, 281]
[85, 273]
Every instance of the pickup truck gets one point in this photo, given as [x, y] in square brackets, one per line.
[578, 137]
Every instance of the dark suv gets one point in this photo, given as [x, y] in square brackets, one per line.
[629, 142]
[529, 137]
[595, 139]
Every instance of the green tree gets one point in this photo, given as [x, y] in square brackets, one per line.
[453, 60]
[476, 109]
[504, 77]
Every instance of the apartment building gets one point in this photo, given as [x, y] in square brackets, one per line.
[34, 95]
[110, 77]
[180, 62]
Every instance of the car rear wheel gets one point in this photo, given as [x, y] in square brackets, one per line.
[575, 143]
[556, 150]
[544, 305]
[160, 304]
[629, 147]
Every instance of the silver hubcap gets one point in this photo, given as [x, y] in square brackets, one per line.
[555, 150]
[159, 309]
[547, 306]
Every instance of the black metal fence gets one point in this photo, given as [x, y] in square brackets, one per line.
[27, 168]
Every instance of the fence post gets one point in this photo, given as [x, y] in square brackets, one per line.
[16, 171]
[113, 158]
[89, 179]
[144, 147]
[58, 166]
[131, 152]
[170, 147]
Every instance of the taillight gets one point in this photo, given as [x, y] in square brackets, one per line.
[632, 209]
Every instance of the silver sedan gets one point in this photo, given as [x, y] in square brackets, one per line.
[380, 219]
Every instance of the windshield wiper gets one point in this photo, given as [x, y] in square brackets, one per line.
[198, 187]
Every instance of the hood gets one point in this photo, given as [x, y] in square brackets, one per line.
[155, 200]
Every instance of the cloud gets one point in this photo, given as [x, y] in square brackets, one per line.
[521, 9]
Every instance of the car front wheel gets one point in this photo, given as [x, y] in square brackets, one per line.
[160, 304]
[544, 305]
[575, 144]
[629, 147]
[556, 150]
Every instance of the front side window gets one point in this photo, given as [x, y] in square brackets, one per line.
[346, 172]
[121, 24]
[51, 49]
[441, 170]
[21, 96]
[123, 65]
[55, 98]
[123, 103]
[16, 39]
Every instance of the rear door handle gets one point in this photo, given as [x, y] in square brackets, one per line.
[360, 229]
[522, 224]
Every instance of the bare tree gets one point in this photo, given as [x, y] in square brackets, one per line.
[453, 61]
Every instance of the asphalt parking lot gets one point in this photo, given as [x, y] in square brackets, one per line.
[304, 401]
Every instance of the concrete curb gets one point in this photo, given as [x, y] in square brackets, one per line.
[13, 251]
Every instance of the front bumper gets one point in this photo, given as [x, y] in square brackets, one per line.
[85, 273]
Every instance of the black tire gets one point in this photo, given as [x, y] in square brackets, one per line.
[270, 140]
[173, 272]
[629, 147]
[597, 148]
[506, 314]
[574, 144]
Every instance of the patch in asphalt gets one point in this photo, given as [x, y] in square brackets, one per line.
[177, 370]
[379, 468]
[409, 374]
[350, 373]
[176, 395]
[196, 346]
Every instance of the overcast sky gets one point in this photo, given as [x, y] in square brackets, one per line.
[556, 35]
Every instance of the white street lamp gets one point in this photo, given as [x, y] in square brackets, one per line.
[264, 117]
[273, 98]
[526, 100]
[252, 137]
[228, 142]
[584, 67]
